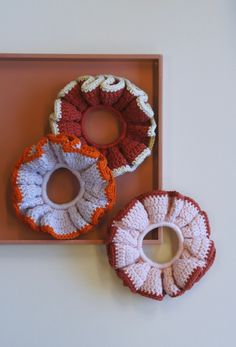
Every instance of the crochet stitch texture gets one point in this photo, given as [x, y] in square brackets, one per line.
[129, 102]
[160, 208]
[32, 172]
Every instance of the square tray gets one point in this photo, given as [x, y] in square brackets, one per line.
[29, 85]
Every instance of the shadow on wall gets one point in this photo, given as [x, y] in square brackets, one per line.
[85, 270]
[102, 281]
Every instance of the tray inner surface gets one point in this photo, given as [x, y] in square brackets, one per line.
[28, 89]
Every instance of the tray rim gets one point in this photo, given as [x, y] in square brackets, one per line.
[157, 71]
[87, 57]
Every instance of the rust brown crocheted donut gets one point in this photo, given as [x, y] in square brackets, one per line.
[129, 104]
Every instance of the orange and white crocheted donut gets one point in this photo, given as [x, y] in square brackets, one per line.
[129, 104]
[31, 175]
[196, 251]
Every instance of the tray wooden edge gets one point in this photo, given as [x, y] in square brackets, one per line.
[87, 57]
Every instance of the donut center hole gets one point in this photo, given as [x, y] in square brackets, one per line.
[63, 186]
[165, 252]
[102, 125]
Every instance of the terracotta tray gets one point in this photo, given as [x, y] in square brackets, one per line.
[29, 85]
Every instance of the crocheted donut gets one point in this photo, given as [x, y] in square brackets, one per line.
[195, 255]
[31, 175]
[128, 103]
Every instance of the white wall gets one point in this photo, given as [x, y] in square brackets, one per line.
[68, 295]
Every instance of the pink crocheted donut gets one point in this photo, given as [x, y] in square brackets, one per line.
[196, 251]
[128, 103]
[33, 171]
